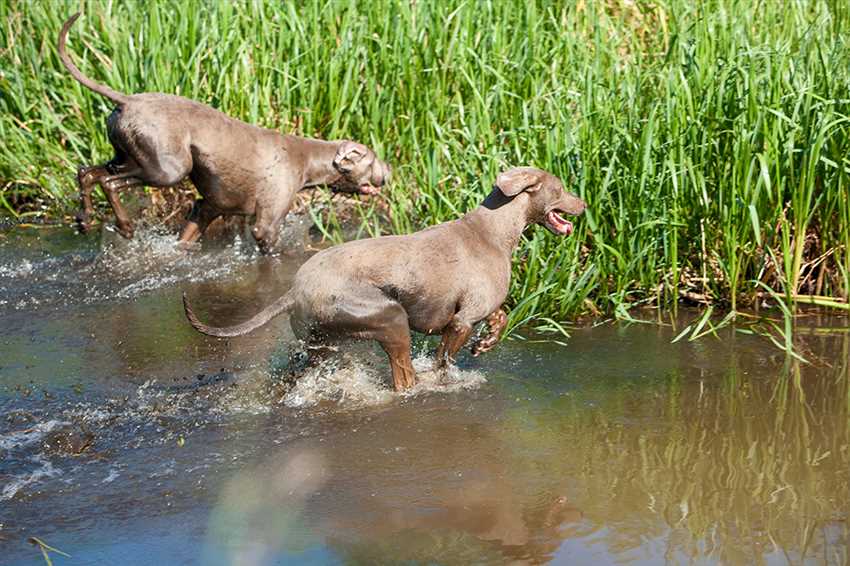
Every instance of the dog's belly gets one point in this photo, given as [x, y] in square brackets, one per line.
[430, 317]
[226, 192]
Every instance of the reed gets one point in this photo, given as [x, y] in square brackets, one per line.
[710, 139]
[724, 456]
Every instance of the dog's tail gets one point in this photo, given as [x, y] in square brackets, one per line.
[281, 305]
[112, 95]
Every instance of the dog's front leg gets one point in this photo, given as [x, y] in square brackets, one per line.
[496, 323]
[271, 210]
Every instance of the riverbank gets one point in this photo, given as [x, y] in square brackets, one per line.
[710, 140]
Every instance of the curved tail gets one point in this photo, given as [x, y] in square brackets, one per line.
[112, 95]
[281, 305]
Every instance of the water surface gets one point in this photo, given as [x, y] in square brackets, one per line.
[128, 438]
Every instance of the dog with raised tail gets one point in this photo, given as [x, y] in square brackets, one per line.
[161, 139]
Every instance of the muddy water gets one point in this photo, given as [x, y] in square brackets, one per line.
[127, 438]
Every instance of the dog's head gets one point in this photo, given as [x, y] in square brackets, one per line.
[548, 199]
[360, 169]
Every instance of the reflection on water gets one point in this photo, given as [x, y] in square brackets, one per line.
[733, 469]
[127, 438]
[728, 468]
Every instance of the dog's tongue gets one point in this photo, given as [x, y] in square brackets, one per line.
[559, 223]
[369, 190]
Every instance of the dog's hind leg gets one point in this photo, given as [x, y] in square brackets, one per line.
[116, 175]
[111, 184]
[87, 178]
[398, 352]
[141, 159]
[390, 327]
[367, 313]
[455, 336]
[202, 215]
[300, 359]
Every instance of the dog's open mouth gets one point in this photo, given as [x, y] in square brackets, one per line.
[368, 189]
[558, 224]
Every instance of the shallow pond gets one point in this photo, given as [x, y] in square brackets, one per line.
[128, 438]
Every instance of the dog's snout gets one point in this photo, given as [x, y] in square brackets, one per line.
[574, 205]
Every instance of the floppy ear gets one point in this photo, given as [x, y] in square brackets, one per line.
[514, 181]
[382, 171]
[349, 154]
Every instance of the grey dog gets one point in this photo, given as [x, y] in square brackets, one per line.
[442, 280]
[161, 139]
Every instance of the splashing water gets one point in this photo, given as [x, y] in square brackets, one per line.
[44, 470]
[119, 269]
[357, 381]
[22, 438]
[153, 260]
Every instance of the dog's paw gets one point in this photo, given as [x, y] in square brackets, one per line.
[483, 345]
[82, 222]
[187, 247]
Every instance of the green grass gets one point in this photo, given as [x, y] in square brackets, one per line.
[710, 139]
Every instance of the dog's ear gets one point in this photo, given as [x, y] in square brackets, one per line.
[514, 181]
[380, 173]
[348, 155]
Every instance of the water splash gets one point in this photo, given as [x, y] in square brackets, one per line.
[13, 270]
[22, 438]
[358, 381]
[120, 269]
[449, 380]
[20, 481]
[153, 260]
